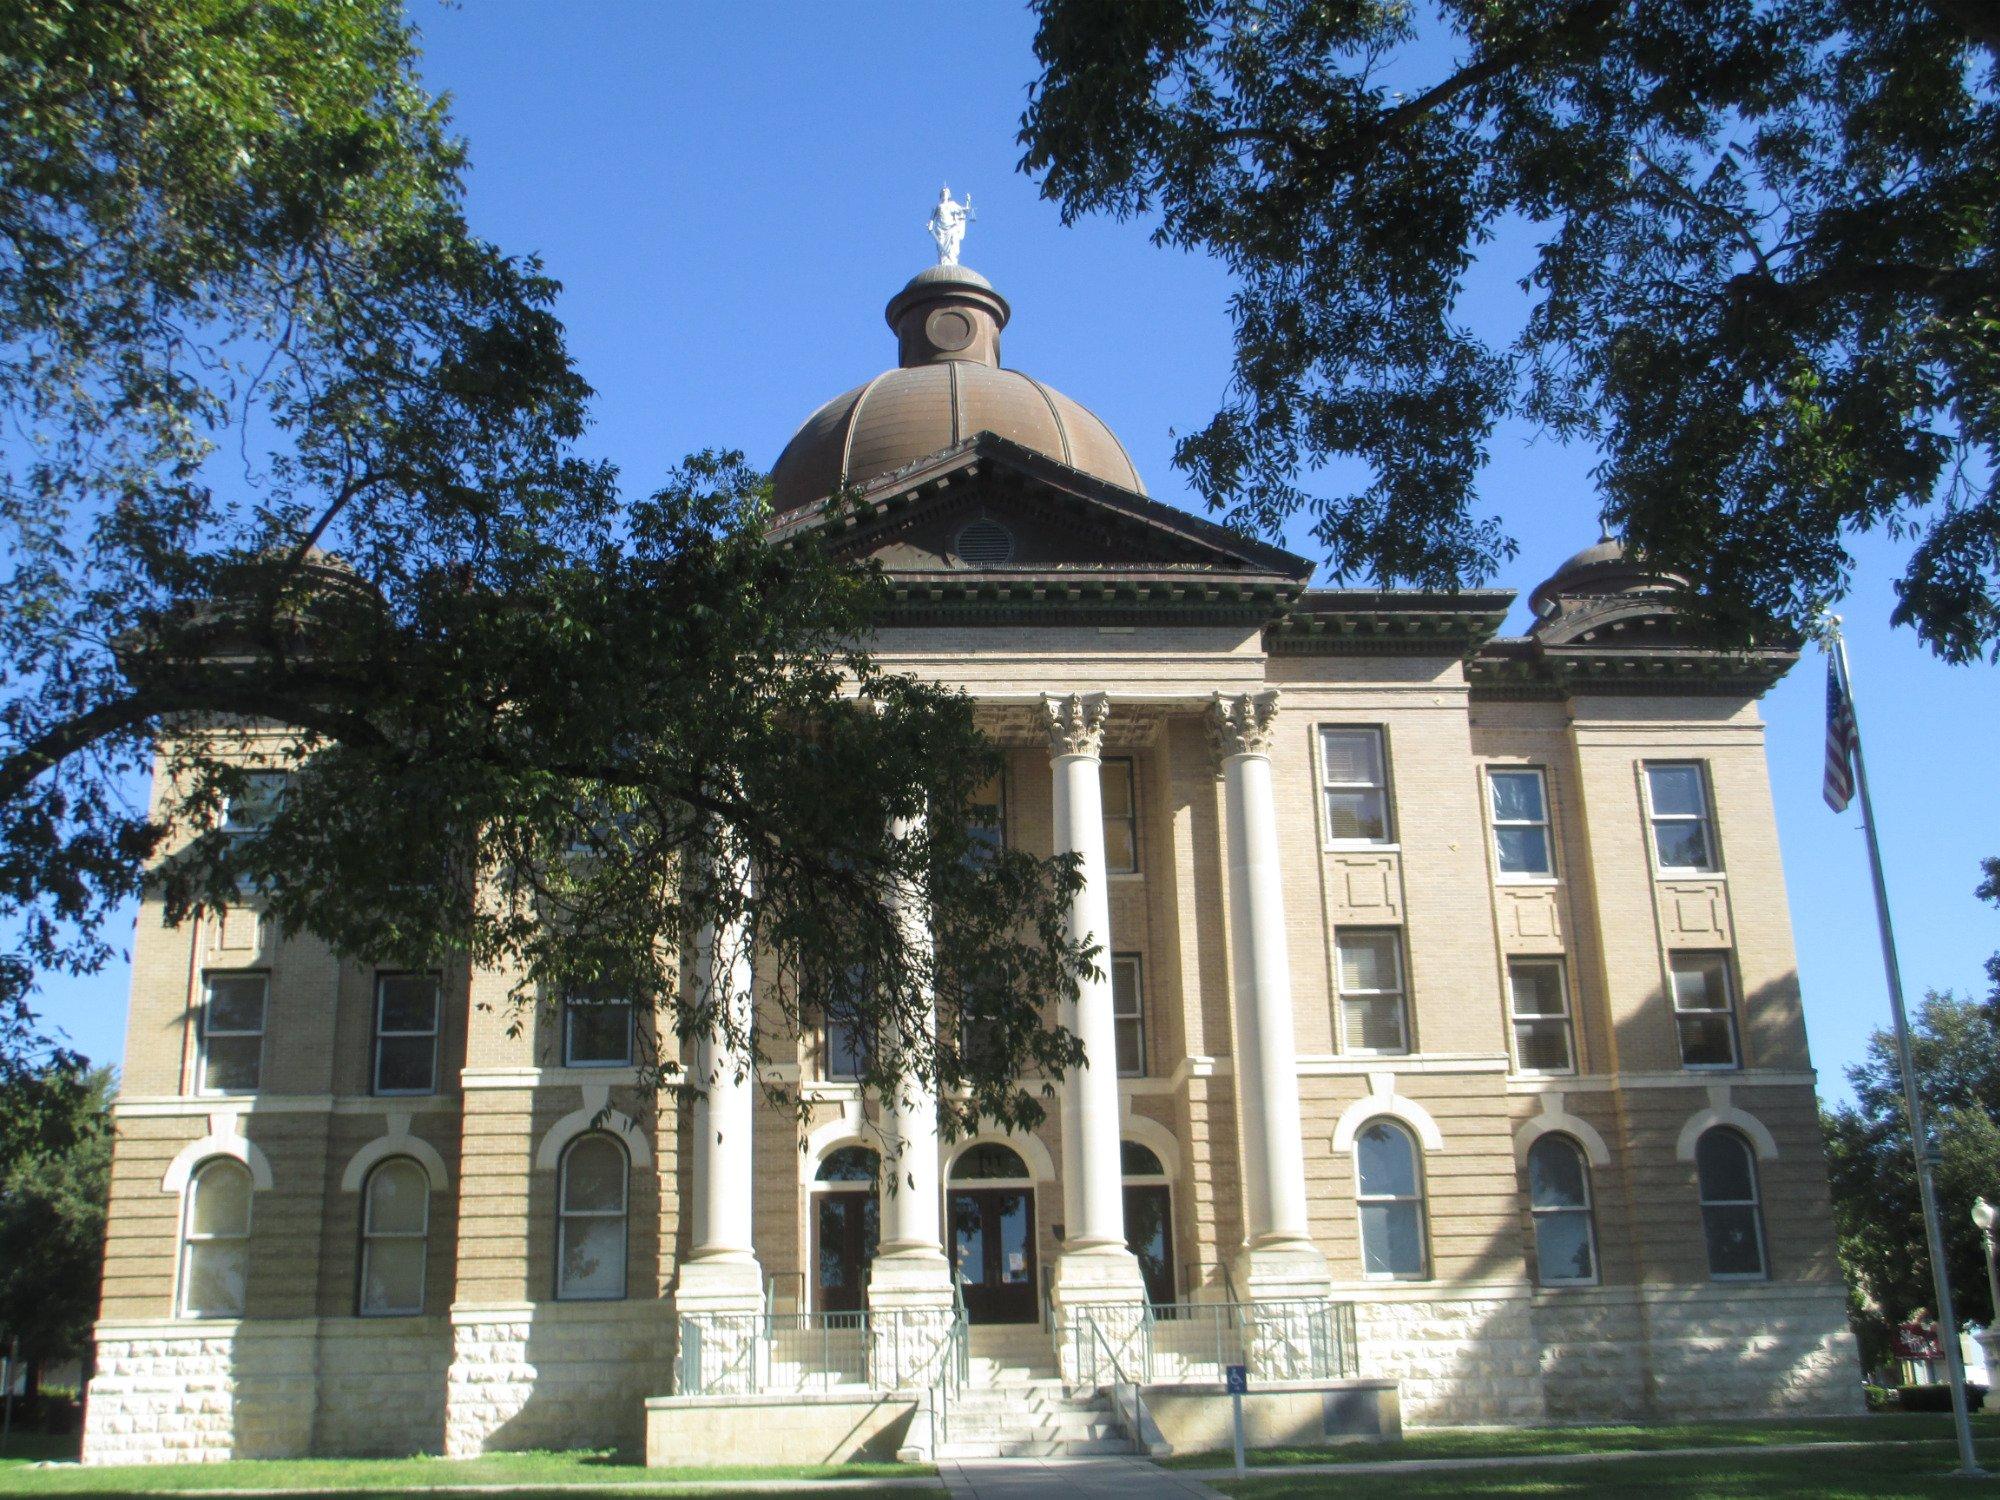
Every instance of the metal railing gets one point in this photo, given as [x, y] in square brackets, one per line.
[742, 1354]
[1195, 1342]
[954, 1370]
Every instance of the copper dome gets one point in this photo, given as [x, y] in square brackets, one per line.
[947, 386]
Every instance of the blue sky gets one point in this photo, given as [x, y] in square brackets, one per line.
[730, 194]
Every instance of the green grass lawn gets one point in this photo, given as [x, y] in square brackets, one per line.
[1887, 1473]
[1520, 1442]
[354, 1477]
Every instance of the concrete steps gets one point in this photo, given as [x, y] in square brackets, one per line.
[1009, 1354]
[1032, 1419]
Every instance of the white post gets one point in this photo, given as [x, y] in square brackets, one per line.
[721, 1273]
[1096, 1266]
[1280, 1259]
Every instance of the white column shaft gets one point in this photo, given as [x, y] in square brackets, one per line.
[725, 1119]
[1098, 1202]
[1274, 1184]
[910, 1213]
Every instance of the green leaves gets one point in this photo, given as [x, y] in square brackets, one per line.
[1732, 204]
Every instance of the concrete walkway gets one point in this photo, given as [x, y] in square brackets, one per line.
[1553, 1460]
[1066, 1479]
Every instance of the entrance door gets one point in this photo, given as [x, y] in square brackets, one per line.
[993, 1251]
[845, 1228]
[1148, 1232]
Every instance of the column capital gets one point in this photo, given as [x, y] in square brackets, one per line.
[1076, 723]
[1241, 723]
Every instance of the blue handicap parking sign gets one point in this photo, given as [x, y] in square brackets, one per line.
[1236, 1379]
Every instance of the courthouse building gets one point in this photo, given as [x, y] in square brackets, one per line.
[1448, 1060]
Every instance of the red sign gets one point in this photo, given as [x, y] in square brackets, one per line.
[1918, 1341]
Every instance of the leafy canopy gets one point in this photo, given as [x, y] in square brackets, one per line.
[1764, 282]
[52, 1201]
[289, 477]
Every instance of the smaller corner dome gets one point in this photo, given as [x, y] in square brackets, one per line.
[948, 385]
[1605, 567]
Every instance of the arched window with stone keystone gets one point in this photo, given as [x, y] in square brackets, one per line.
[1389, 1200]
[215, 1240]
[592, 1205]
[1559, 1199]
[395, 1239]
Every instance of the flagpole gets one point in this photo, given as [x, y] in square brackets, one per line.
[1920, 1139]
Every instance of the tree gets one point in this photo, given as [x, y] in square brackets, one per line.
[1763, 282]
[1879, 1219]
[52, 1201]
[292, 482]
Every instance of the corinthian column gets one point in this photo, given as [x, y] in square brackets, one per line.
[1095, 1266]
[1278, 1259]
[721, 1273]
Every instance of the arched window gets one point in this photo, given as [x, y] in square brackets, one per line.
[395, 1234]
[846, 1228]
[1389, 1196]
[1559, 1199]
[989, 1162]
[850, 1166]
[590, 1231]
[215, 1240]
[1732, 1220]
[1149, 1219]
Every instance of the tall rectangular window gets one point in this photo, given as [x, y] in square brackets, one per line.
[1354, 783]
[1121, 815]
[406, 1033]
[1373, 1010]
[1520, 803]
[847, 1044]
[251, 810]
[597, 1027]
[1704, 1009]
[1683, 831]
[232, 1033]
[1539, 1002]
[988, 814]
[1128, 1012]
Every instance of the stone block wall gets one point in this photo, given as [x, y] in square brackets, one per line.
[382, 1386]
[1469, 1360]
[556, 1375]
[167, 1393]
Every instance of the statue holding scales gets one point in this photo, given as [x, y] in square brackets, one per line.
[947, 225]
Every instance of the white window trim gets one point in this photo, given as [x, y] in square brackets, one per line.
[1420, 1197]
[1341, 994]
[1727, 1010]
[596, 1114]
[1550, 876]
[1390, 829]
[623, 1213]
[1706, 818]
[569, 1059]
[1131, 765]
[1515, 1019]
[205, 1030]
[1588, 1210]
[370, 1235]
[436, 1028]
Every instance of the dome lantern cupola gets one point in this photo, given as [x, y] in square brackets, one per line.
[947, 312]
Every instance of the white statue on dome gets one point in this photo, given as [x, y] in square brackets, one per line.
[947, 225]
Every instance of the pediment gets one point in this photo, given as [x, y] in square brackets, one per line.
[990, 510]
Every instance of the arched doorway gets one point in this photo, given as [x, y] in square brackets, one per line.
[846, 1225]
[1149, 1219]
[991, 1208]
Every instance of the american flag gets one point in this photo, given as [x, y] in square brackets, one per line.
[1842, 740]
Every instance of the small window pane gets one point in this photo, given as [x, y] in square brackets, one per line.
[408, 1002]
[1683, 846]
[986, 1161]
[592, 1256]
[1392, 1239]
[1121, 817]
[1374, 1023]
[404, 1065]
[218, 1275]
[1354, 786]
[598, 1030]
[1676, 790]
[1556, 1175]
[1564, 1248]
[1523, 850]
[1700, 982]
[1368, 961]
[850, 1164]
[253, 808]
[1351, 756]
[398, 1198]
[1386, 1162]
[1356, 815]
[235, 1003]
[1128, 1016]
[1115, 777]
[1734, 1248]
[594, 1179]
[1135, 1160]
[392, 1277]
[1723, 1168]
[1707, 1041]
[233, 1064]
[1542, 1046]
[1517, 797]
[1538, 989]
[987, 817]
[846, 1048]
[221, 1200]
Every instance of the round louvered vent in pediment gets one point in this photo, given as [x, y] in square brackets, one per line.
[985, 543]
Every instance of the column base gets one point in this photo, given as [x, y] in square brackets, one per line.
[731, 1283]
[1282, 1271]
[910, 1318]
[1097, 1302]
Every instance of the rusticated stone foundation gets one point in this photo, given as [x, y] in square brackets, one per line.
[201, 1392]
[555, 1375]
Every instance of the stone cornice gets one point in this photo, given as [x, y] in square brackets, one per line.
[1387, 622]
[1519, 667]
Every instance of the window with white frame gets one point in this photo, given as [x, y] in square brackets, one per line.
[1128, 1015]
[232, 1033]
[395, 1239]
[591, 1220]
[406, 1033]
[1559, 1200]
[215, 1240]
[1119, 788]
[848, 1033]
[597, 1027]
[1683, 831]
[1519, 799]
[1374, 1012]
[1732, 1215]
[250, 810]
[1389, 1197]
[1354, 785]
[1704, 1011]
[1538, 999]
